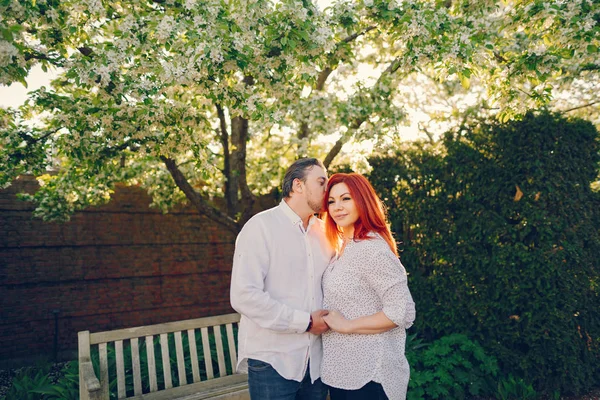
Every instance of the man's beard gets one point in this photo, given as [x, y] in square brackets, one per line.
[316, 207]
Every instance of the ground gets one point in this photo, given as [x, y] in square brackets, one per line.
[6, 377]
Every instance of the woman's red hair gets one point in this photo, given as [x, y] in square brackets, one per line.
[371, 214]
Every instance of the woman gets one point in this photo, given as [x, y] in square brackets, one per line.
[367, 296]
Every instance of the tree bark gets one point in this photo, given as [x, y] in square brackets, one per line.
[239, 137]
[196, 199]
[231, 192]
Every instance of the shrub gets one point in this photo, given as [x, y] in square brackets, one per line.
[27, 382]
[450, 368]
[512, 388]
[67, 386]
[498, 228]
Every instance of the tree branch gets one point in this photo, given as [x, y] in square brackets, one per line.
[327, 71]
[303, 134]
[357, 34]
[324, 74]
[31, 54]
[201, 205]
[33, 140]
[426, 131]
[337, 147]
[580, 107]
[335, 150]
[591, 67]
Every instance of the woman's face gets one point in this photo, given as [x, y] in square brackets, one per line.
[341, 206]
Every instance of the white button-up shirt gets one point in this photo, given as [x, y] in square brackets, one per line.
[275, 285]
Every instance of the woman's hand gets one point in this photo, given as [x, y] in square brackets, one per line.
[367, 325]
[337, 322]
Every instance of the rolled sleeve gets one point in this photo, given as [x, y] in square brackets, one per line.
[387, 276]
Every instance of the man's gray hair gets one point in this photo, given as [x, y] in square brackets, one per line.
[298, 170]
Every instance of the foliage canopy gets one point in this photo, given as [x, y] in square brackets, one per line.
[193, 99]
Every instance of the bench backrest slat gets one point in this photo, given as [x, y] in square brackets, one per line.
[220, 353]
[151, 363]
[231, 344]
[180, 359]
[164, 349]
[168, 327]
[120, 369]
[135, 365]
[103, 355]
[207, 356]
[194, 355]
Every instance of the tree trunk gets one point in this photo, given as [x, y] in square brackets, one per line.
[203, 207]
[231, 188]
[239, 137]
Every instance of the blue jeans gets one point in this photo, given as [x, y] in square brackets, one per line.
[266, 384]
[371, 391]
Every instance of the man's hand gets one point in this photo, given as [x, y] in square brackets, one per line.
[319, 326]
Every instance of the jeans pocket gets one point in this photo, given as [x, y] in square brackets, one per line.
[257, 365]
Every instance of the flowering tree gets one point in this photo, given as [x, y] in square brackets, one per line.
[192, 99]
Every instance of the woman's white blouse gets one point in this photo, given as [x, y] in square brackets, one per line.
[366, 279]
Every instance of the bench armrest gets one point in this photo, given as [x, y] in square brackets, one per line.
[92, 384]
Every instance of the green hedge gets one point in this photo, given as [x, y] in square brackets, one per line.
[499, 230]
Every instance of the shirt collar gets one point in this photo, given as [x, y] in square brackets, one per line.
[293, 217]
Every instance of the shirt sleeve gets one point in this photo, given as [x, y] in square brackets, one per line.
[248, 295]
[387, 276]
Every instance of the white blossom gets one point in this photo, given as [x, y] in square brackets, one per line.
[539, 50]
[165, 28]
[95, 7]
[189, 4]
[7, 53]
[52, 14]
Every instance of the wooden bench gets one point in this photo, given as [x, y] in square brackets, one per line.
[131, 368]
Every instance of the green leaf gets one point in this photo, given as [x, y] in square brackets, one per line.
[7, 35]
[567, 53]
[464, 81]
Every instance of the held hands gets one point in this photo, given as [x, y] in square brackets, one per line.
[337, 322]
[318, 326]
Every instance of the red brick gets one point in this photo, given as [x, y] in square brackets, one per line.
[110, 267]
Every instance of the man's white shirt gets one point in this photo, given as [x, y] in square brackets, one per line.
[275, 285]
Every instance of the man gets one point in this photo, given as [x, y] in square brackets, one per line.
[280, 256]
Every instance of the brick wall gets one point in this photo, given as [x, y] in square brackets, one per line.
[110, 267]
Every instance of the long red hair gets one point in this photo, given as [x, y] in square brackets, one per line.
[371, 213]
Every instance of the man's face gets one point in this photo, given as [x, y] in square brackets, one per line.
[315, 185]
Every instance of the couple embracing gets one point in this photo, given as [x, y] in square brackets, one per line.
[324, 303]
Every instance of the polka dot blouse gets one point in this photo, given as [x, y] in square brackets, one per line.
[366, 279]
